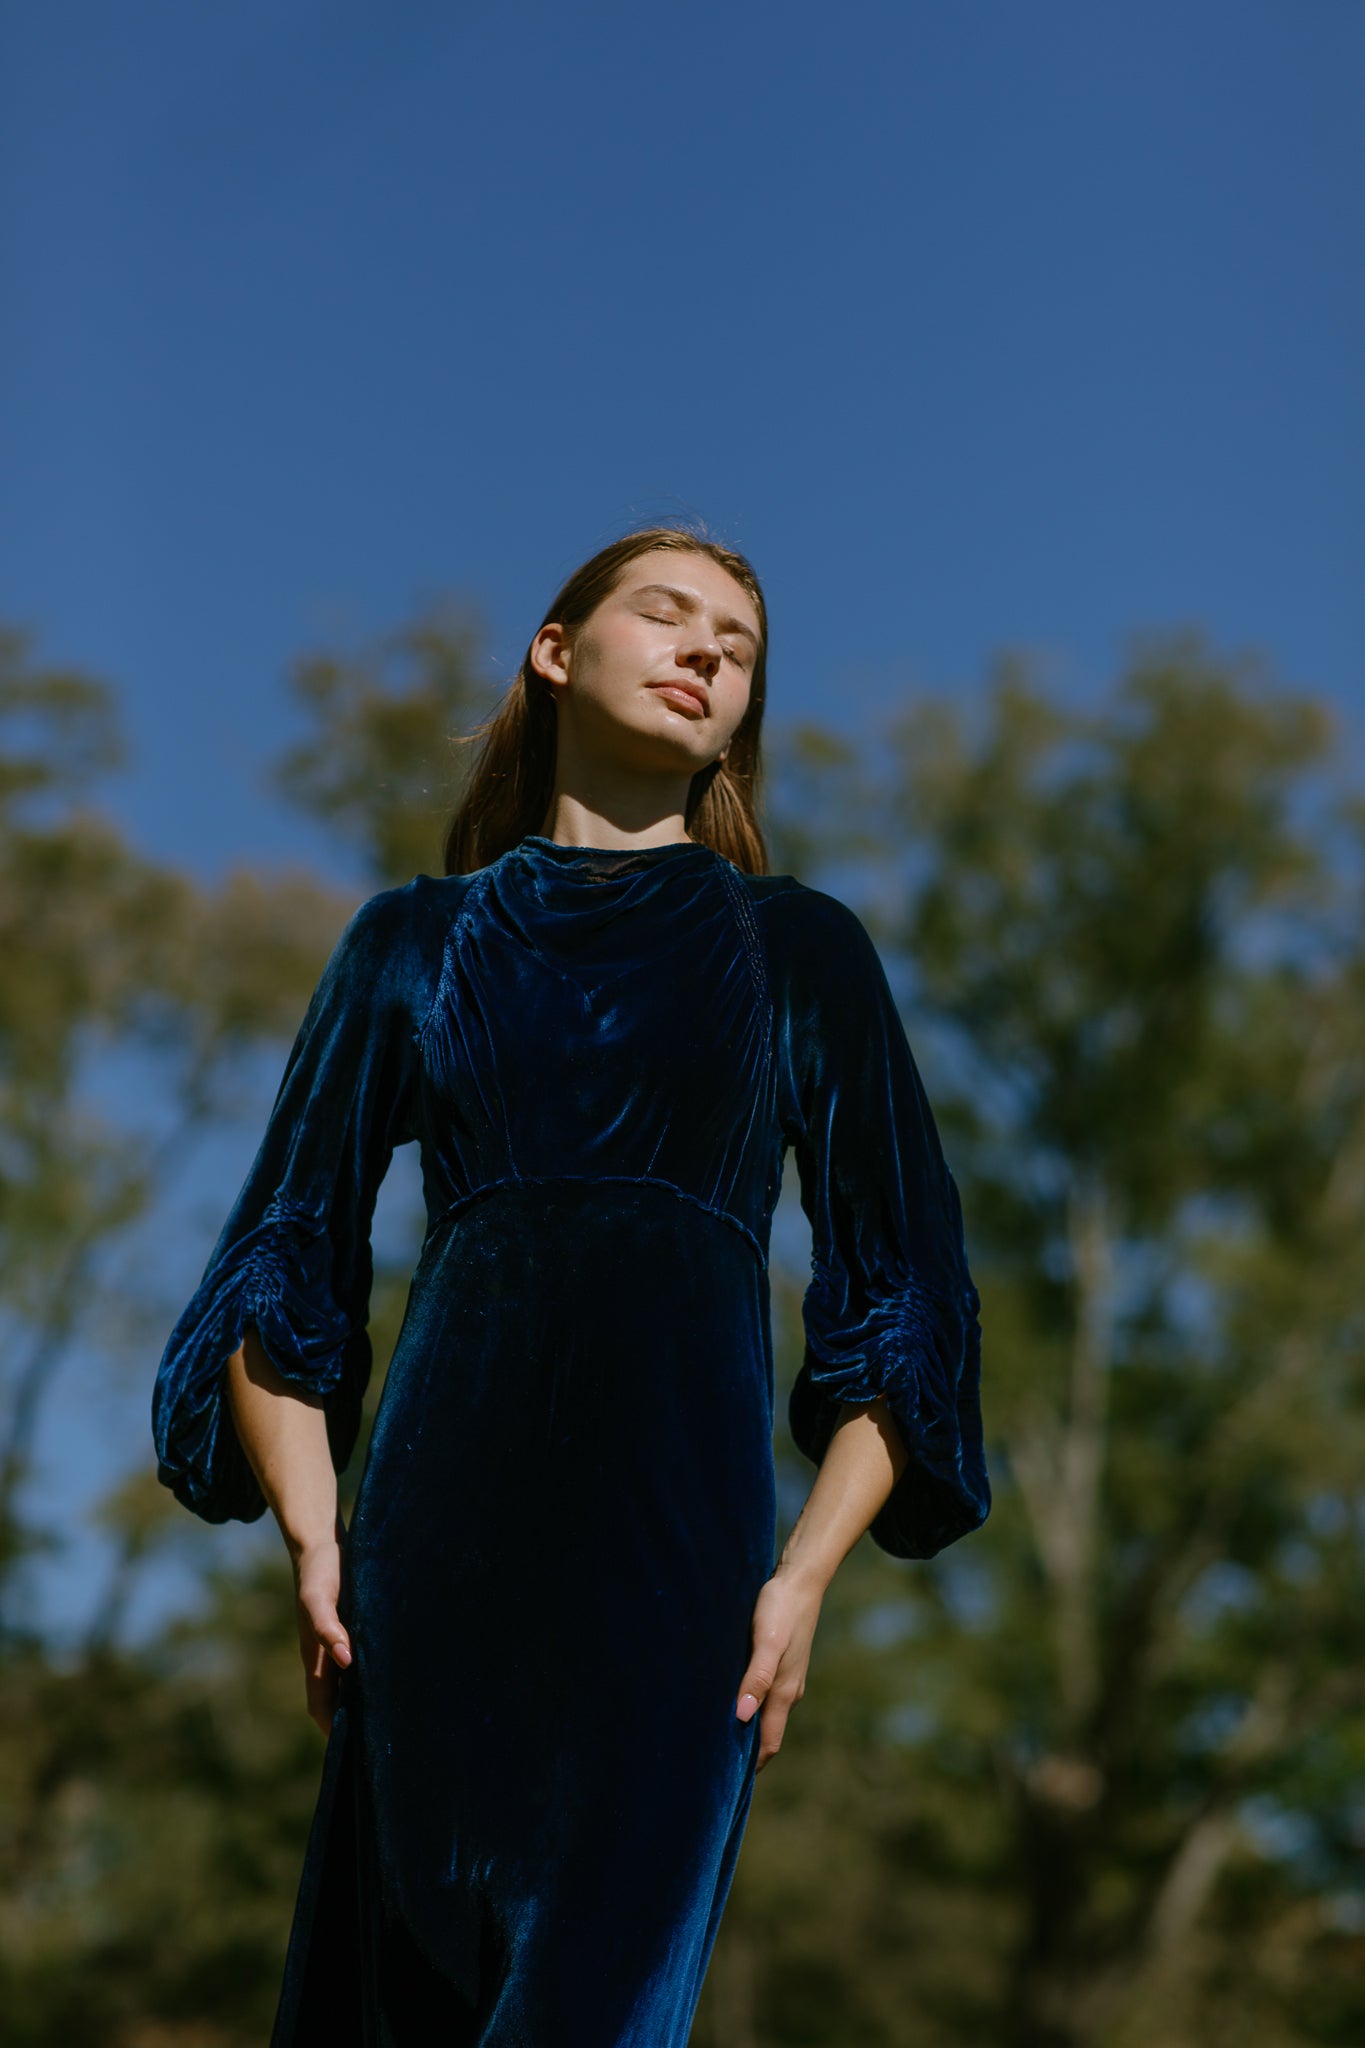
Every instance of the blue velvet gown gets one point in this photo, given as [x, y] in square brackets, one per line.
[535, 1786]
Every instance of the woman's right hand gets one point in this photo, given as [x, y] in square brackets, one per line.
[323, 1643]
[283, 1430]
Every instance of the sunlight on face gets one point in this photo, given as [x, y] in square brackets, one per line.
[659, 674]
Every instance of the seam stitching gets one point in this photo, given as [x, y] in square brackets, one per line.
[648, 1180]
[449, 951]
[753, 944]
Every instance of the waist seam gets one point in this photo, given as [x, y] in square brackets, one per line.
[457, 1208]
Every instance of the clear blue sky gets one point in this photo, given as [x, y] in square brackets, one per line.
[977, 323]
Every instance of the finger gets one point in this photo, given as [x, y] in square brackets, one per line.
[311, 1647]
[774, 1727]
[775, 1715]
[753, 1690]
[327, 1627]
[321, 1690]
[776, 1712]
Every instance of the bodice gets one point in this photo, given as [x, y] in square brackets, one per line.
[603, 1014]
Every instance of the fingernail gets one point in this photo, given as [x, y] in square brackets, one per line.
[747, 1699]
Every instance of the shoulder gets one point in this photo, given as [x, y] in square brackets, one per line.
[393, 943]
[414, 909]
[807, 926]
[823, 964]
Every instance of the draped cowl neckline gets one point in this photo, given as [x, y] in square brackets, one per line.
[593, 883]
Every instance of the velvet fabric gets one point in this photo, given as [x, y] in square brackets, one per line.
[535, 1786]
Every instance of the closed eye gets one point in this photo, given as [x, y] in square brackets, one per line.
[731, 653]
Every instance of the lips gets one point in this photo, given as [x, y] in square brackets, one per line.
[682, 691]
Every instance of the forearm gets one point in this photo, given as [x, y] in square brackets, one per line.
[865, 1458]
[283, 1430]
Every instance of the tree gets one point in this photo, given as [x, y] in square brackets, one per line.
[1136, 924]
[108, 956]
[381, 763]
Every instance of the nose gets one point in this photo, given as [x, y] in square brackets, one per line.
[701, 654]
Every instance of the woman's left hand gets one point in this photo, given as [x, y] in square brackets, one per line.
[783, 1629]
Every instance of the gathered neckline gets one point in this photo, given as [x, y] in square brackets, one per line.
[557, 850]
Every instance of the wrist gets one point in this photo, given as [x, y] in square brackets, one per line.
[807, 1570]
[305, 1540]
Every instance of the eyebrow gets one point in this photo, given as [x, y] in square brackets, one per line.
[690, 603]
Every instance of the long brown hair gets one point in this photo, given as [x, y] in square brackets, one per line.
[512, 779]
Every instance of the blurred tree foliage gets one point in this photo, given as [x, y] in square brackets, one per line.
[382, 764]
[130, 1003]
[1095, 1778]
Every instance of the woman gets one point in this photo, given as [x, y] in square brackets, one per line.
[553, 1647]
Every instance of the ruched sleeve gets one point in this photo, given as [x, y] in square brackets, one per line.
[294, 1256]
[891, 1308]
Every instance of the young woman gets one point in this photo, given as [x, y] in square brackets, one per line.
[554, 1647]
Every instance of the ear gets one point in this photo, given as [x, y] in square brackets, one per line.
[550, 654]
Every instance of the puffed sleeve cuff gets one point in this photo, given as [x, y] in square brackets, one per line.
[276, 1278]
[921, 1350]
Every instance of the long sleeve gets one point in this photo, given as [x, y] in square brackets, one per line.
[891, 1308]
[294, 1256]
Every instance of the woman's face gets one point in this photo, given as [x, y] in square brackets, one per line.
[659, 674]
